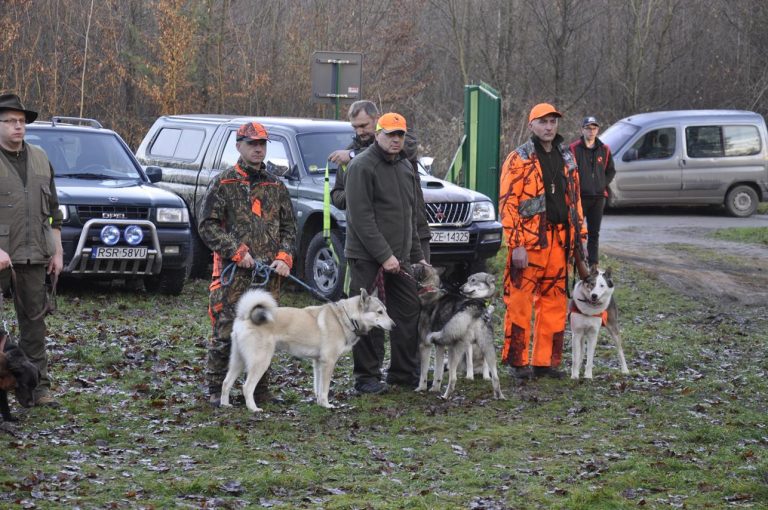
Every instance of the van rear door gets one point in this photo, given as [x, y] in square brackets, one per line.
[718, 155]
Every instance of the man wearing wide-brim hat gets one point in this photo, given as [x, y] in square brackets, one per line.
[541, 214]
[30, 233]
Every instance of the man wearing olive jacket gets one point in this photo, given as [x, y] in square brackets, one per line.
[382, 202]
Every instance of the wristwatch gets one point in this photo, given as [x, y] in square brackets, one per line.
[351, 154]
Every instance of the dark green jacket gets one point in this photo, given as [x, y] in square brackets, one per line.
[382, 200]
[26, 210]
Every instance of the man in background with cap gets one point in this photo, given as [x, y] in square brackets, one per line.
[382, 242]
[596, 171]
[541, 214]
[364, 115]
[30, 233]
[246, 217]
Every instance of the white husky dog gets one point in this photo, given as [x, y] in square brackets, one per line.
[591, 297]
[321, 333]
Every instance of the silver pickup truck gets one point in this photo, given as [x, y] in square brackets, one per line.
[193, 149]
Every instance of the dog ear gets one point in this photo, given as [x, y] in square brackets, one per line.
[607, 272]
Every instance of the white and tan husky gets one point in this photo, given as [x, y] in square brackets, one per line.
[320, 333]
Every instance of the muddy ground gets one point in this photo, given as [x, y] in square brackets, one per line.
[677, 245]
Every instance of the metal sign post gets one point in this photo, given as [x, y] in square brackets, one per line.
[336, 77]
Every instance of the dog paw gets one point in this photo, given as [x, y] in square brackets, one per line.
[434, 389]
[421, 388]
[326, 405]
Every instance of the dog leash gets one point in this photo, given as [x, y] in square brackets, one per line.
[260, 275]
[48, 307]
[50, 302]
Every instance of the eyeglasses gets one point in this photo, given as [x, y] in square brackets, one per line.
[17, 122]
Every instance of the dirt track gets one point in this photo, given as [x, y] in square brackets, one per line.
[737, 275]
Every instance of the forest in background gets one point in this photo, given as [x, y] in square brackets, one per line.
[125, 62]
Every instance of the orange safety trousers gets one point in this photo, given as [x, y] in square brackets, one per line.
[539, 288]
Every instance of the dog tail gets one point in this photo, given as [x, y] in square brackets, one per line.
[257, 305]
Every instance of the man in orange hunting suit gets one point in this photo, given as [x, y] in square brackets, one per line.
[542, 218]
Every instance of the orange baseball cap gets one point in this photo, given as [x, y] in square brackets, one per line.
[252, 131]
[542, 110]
[391, 122]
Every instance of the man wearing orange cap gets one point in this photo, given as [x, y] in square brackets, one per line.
[382, 242]
[541, 214]
[246, 217]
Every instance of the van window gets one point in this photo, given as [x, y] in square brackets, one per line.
[277, 154]
[721, 141]
[178, 143]
[656, 144]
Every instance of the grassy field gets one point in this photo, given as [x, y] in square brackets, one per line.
[754, 235]
[688, 428]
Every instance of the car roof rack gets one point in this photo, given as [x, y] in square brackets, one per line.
[78, 121]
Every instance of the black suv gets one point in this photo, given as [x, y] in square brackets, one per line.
[193, 149]
[117, 223]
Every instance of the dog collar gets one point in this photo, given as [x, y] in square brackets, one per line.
[575, 308]
[356, 329]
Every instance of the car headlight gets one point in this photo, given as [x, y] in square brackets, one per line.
[483, 211]
[64, 212]
[133, 235]
[110, 235]
[172, 215]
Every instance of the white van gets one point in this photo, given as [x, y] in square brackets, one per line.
[690, 157]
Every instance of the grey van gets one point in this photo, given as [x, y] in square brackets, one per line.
[690, 157]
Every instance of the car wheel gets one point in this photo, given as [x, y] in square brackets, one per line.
[169, 282]
[321, 270]
[741, 201]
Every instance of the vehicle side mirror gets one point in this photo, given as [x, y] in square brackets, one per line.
[630, 155]
[292, 174]
[154, 173]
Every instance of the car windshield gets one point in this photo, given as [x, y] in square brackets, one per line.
[84, 154]
[316, 147]
[618, 134]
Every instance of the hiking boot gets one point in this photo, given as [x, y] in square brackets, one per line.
[370, 387]
[548, 372]
[46, 400]
[521, 372]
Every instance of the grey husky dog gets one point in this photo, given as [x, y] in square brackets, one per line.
[591, 297]
[321, 333]
[456, 323]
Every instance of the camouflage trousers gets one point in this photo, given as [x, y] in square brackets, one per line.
[31, 295]
[222, 305]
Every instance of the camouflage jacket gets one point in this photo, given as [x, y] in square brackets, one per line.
[247, 210]
[522, 202]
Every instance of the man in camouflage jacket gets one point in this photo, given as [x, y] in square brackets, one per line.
[541, 213]
[245, 217]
